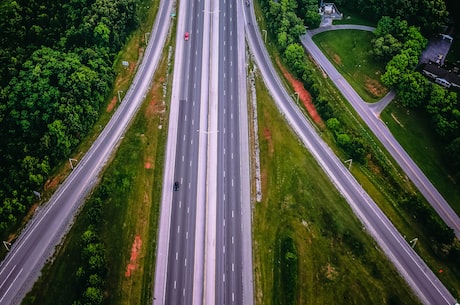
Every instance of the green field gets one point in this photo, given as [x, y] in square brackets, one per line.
[303, 218]
[349, 51]
[412, 129]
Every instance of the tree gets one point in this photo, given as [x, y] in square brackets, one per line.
[295, 58]
[344, 140]
[93, 296]
[413, 89]
[391, 76]
[385, 47]
[333, 124]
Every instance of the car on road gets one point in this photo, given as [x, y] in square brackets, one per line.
[186, 36]
[176, 186]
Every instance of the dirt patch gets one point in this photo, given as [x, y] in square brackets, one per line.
[373, 166]
[112, 104]
[330, 272]
[134, 254]
[304, 96]
[374, 87]
[268, 137]
[336, 58]
[52, 183]
[154, 106]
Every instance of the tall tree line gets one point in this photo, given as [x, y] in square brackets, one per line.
[430, 15]
[56, 70]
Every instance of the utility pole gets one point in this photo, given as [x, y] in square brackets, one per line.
[413, 242]
[70, 161]
[297, 97]
[265, 35]
[6, 244]
[349, 161]
[37, 194]
[119, 95]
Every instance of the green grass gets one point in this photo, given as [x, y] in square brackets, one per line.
[383, 180]
[413, 131]
[134, 182]
[338, 263]
[349, 51]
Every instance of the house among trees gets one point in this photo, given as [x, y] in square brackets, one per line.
[442, 75]
[329, 10]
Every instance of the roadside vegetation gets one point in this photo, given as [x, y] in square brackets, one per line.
[309, 247]
[375, 170]
[413, 127]
[56, 72]
[108, 256]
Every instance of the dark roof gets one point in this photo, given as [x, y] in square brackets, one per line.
[450, 74]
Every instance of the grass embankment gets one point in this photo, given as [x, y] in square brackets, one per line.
[349, 51]
[380, 175]
[304, 225]
[132, 183]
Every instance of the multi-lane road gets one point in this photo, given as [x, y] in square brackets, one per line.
[202, 225]
[21, 267]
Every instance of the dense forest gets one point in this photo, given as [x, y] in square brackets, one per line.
[56, 71]
[429, 15]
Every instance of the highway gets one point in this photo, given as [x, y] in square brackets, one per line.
[412, 268]
[21, 267]
[232, 193]
[199, 253]
[182, 224]
[381, 131]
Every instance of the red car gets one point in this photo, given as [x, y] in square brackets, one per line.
[186, 36]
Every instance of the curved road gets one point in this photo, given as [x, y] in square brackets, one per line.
[420, 278]
[380, 130]
[21, 267]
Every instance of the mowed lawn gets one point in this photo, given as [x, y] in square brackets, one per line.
[414, 132]
[350, 52]
[301, 211]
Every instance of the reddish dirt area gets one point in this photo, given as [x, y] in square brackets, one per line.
[112, 104]
[134, 253]
[268, 137]
[304, 96]
[154, 106]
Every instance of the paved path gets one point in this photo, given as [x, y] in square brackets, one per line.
[380, 130]
[379, 106]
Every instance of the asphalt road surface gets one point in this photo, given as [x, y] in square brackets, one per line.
[380, 130]
[231, 200]
[420, 278]
[186, 205]
[28, 254]
[205, 144]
